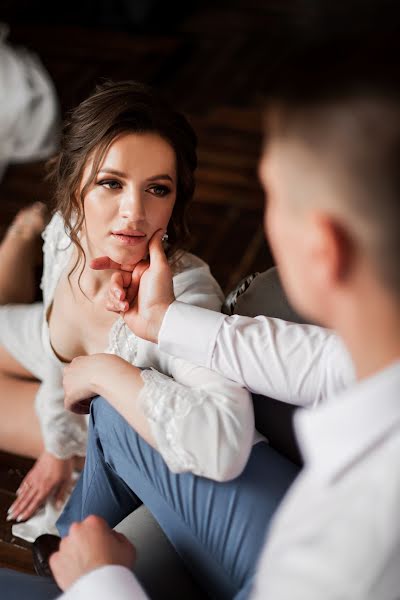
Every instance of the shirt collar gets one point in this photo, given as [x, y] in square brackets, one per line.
[335, 434]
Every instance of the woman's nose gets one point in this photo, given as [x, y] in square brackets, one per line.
[132, 206]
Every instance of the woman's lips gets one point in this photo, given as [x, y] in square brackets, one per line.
[129, 239]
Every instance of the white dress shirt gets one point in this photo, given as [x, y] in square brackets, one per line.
[337, 533]
[302, 364]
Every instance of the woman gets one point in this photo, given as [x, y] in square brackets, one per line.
[125, 172]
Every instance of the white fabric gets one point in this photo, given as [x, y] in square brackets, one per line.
[197, 400]
[112, 581]
[21, 335]
[44, 519]
[337, 534]
[224, 408]
[28, 106]
[300, 364]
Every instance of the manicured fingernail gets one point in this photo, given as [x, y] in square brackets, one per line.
[10, 509]
[10, 517]
[20, 518]
[117, 293]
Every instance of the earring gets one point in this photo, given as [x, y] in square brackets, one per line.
[164, 237]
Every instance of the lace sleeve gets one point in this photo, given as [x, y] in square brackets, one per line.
[206, 427]
[56, 252]
[64, 433]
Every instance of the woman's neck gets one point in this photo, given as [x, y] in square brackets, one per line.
[92, 282]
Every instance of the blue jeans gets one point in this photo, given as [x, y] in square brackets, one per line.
[218, 529]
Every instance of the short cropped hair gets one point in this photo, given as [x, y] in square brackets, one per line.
[342, 100]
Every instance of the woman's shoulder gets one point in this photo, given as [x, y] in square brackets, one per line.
[195, 284]
[54, 235]
[187, 262]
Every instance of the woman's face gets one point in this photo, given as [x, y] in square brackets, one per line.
[131, 197]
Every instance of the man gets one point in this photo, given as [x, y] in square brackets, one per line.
[330, 167]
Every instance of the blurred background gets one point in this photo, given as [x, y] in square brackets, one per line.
[213, 60]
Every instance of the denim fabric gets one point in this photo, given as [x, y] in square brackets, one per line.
[218, 529]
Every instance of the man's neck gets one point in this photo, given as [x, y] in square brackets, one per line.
[371, 332]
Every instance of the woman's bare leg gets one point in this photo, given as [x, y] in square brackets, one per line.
[18, 252]
[19, 426]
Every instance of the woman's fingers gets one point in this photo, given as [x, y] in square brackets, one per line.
[20, 509]
[29, 510]
[117, 292]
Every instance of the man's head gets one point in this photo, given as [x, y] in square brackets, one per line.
[331, 170]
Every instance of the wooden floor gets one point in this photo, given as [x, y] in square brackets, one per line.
[213, 66]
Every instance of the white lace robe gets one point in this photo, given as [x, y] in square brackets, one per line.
[201, 421]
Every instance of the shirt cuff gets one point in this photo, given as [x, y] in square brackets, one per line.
[190, 332]
[110, 581]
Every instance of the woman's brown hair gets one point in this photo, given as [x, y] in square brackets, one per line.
[116, 108]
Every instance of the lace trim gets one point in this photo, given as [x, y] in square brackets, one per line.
[166, 404]
[64, 438]
[122, 341]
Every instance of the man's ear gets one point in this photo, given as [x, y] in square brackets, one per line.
[332, 250]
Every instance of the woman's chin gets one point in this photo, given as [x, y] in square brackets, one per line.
[129, 257]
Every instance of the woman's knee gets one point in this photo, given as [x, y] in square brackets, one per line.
[10, 367]
[105, 419]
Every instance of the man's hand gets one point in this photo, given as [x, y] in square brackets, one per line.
[50, 476]
[89, 545]
[143, 295]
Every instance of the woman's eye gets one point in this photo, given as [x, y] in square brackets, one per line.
[159, 190]
[111, 184]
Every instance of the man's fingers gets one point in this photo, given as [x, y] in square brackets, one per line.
[103, 263]
[137, 273]
[156, 250]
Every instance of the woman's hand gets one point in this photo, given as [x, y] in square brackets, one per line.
[142, 295]
[50, 476]
[79, 381]
[89, 376]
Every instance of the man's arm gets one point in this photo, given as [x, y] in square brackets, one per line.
[106, 582]
[300, 364]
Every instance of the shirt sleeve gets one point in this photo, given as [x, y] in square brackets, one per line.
[111, 581]
[299, 364]
[201, 421]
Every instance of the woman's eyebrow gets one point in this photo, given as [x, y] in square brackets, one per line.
[125, 176]
[157, 177]
[113, 172]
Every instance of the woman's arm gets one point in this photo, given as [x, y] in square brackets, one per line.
[113, 378]
[199, 421]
